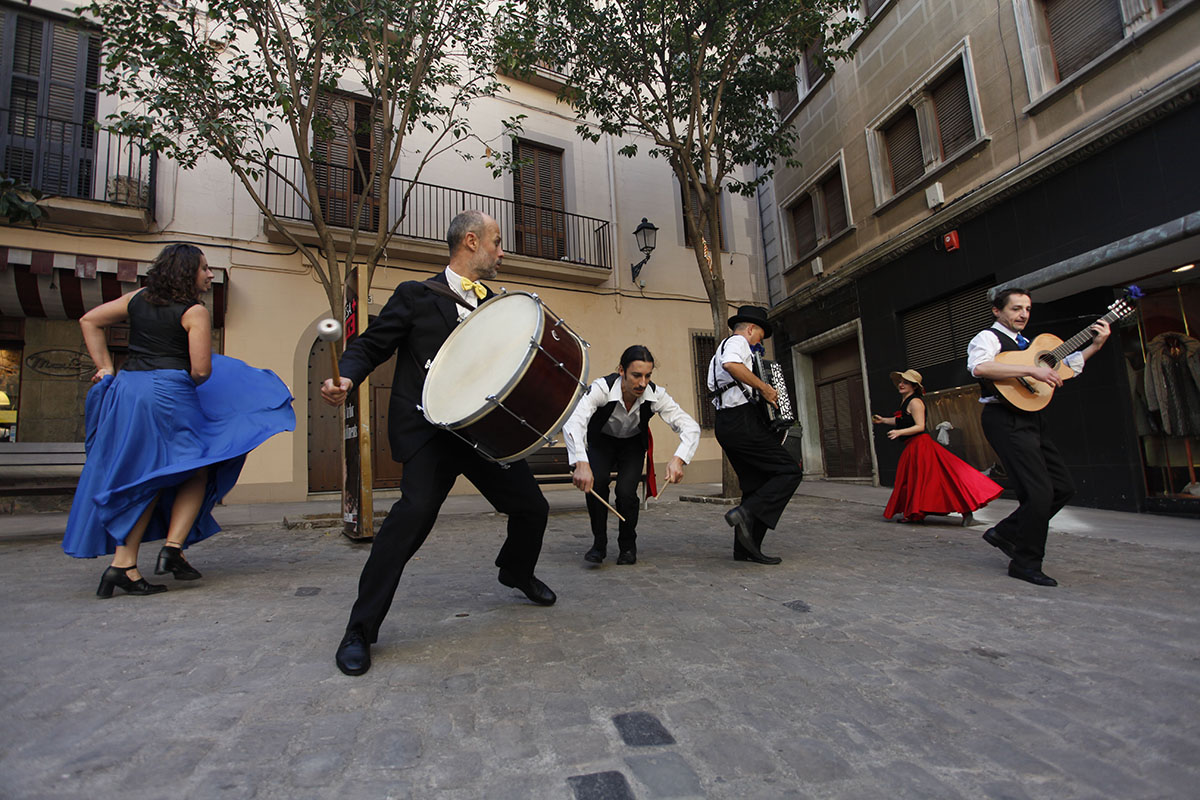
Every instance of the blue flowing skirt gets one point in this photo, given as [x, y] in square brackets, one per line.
[148, 431]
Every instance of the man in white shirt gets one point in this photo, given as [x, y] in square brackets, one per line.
[610, 428]
[767, 473]
[1038, 471]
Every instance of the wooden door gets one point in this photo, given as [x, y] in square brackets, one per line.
[541, 226]
[842, 412]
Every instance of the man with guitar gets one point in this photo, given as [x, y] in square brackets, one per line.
[1018, 436]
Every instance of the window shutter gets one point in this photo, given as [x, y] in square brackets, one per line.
[687, 237]
[703, 349]
[538, 186]
[940, 331]
[902, 139]
[332, 159]
[805, 226]
[813, 71]
[835, 204]
[786, 100]
[1080, 30]
[952, 107]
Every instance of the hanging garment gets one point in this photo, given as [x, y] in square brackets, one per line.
[1172, 382]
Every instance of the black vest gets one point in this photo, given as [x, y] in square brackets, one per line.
[986, 387]
[596, 423]
[157, 338]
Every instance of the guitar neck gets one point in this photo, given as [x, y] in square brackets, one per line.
[1081, 339]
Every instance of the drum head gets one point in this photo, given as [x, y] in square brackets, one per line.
[485, 355]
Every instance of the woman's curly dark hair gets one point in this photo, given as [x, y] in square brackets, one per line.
[172, 277]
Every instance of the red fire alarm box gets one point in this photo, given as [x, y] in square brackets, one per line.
[950, 241]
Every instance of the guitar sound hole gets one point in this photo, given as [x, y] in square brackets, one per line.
[1047, 360]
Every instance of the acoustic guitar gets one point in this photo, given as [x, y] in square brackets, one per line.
[1047, 350]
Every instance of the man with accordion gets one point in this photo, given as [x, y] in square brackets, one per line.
[767, 473]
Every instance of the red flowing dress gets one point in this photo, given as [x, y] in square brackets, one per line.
[932, 480]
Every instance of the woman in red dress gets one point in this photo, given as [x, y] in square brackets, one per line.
[929, 478]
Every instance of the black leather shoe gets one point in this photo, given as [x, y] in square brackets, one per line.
[170, 559]
[534, 589]
[1035, 576]
[759, 559]
[741, 522]
[998, 541]
[595, 555]
[353, 654]
[627, 557]
[118, 578]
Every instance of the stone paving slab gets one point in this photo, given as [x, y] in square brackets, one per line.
[878, 660]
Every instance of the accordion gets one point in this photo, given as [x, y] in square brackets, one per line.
[783, 417]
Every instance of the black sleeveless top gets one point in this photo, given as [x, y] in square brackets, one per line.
[905, 419]
[157, 339]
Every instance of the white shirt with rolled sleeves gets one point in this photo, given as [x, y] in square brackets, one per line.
[624, 424]
[985, 347]
[734, 349]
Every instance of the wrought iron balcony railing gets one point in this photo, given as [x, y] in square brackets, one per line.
[526, 229]
[69, 159]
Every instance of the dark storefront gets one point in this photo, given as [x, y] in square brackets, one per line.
[1084, 228]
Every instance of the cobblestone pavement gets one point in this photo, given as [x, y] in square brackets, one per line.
[878, 661]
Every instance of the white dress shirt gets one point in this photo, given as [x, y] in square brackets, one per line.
[985, 347]
[735, 349]
[455, 282]
[623, 423]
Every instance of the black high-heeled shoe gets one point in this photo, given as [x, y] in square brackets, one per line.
[118, 577]
[170, 559]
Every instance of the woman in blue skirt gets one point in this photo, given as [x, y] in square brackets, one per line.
[167, 437]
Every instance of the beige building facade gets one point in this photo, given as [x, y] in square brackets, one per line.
[968, 146]
[110, 212]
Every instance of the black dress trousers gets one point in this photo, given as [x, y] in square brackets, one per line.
[767, 473]
[627, 456]
[1039, 476]
[428, 477]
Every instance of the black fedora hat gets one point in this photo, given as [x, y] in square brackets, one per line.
[755, 314]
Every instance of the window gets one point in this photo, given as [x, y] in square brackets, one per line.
[936, 122]
[940, 331]
[819, 213]
[541, 226]
[1061, 39]
[870, 7]
[48, 83]
[703, 349]
[695, 203]
[346, 160]
[809, 73]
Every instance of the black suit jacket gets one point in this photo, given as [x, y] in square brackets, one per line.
[414, 324]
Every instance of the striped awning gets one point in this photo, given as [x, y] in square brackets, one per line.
[46, 285]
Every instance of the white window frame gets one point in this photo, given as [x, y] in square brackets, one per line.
[919, 98]
[812, 188]
[1037, 55]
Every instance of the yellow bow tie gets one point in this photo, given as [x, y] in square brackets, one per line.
[469, 285]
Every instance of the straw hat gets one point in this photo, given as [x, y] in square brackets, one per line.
[910, 375]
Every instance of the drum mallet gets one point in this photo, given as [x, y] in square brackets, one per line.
[330, 330]
[592, 492]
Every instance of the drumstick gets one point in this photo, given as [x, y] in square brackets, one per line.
[592, 492]
[329, 330]
[662, 491]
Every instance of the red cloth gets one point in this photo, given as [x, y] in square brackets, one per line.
[932, 480]
[651, 486]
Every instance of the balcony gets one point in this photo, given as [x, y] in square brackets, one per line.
[538, 241]
[91, 178]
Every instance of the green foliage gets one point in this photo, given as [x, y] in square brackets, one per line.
[19, 202]
[245, 80]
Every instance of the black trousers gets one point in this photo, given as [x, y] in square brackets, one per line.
[1039, 476]
[767, 473]
[627, 456]
[428, 477]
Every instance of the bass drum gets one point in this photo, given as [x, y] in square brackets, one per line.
[507, 378]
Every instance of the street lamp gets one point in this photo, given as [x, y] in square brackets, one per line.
[647, 237]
